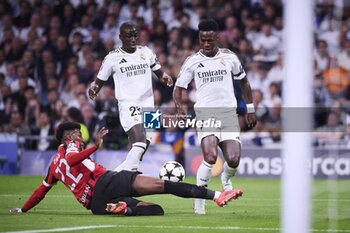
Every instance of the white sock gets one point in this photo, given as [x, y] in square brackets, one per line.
[203, 179]
[204, 173]
[132, 160]
[217, 194]
[229, 171]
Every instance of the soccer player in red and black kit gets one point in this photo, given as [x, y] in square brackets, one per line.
[109, 192]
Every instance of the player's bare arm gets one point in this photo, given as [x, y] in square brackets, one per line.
[177, 96]
[38, 195]
[247, 96]
[164, 77]
[95, 88]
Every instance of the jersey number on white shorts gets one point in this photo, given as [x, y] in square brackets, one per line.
[135, 110]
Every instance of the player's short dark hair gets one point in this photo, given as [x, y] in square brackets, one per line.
[208, 25]
[126, 25]
[64, 127]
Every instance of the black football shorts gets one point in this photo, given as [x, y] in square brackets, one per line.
[113, 187]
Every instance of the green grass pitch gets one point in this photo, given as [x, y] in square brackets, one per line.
[257, 211]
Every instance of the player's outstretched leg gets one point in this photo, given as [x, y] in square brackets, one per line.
[148, 209]
[145, 185]
[186, 190]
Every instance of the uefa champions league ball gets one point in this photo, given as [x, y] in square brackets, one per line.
[172, 171]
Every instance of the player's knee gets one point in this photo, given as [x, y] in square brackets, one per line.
[233, 161]
[210, 158]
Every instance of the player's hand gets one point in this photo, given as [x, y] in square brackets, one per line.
[167, 80]
[16, 210]
[93, 91]
[99, 137]
[251, 120]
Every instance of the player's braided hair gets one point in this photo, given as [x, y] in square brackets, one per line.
[208, 25]
[64, 127]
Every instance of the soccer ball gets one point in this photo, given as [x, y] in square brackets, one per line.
[172, 171]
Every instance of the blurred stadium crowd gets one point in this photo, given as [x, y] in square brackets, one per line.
[50, 51]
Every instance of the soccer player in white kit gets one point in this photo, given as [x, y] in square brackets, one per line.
[213, 70]
[131, 66]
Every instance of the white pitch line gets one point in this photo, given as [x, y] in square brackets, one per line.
[62, 229]
[229, 228]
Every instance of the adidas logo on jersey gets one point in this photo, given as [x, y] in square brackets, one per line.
[122, 61]
[200, 65]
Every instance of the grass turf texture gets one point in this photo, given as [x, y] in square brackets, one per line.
[257, 211]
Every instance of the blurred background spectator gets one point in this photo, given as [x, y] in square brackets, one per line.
[50, 51]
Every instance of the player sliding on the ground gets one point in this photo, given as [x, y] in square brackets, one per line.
[109, 192]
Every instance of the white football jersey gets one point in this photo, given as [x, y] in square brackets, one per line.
[132, 73]
[213, 77]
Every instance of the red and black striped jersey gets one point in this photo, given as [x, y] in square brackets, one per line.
[72, 167]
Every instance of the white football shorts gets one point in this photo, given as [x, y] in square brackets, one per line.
[229, 129]
[130, 113]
